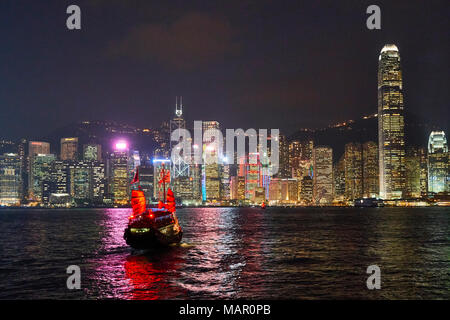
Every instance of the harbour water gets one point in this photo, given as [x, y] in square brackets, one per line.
[229, 253]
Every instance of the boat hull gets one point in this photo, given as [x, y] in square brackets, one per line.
[145, 238]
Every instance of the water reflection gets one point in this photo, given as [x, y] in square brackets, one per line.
[275, 253]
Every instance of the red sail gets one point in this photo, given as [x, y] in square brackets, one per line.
[138, 201]
[170, 205]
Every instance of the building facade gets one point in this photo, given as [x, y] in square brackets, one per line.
[391, 133]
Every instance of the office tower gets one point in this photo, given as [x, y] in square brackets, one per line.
[158, 186]
[371, 182]
[69, 149]
[339, 179]
[306, 192]
[391, 135]
[146, 181]
[59, 175]
[208, 135]
[423, 172]
[412, 173]
[241, 188]
[195, 172]
[162, 140]
[10, 179]
[38, 147]
[283, 171]
[306, 148]
[252, 175]
[119, 184]
[294, 159]
[283, 191]
[180, 167]
[259, 196]
[79, 177]
[225, 178]
[40, 173]
[22, 151]
[275, 190]
[353, 171]
[92, 152]
[289, 190]
[438, 173]
[323, 175]
[97, 183]
[34, 148]
[211, 183]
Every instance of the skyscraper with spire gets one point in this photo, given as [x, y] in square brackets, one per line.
[391, 133]
[180, 167]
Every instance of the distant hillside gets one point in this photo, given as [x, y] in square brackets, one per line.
[361, 130]
[104, 133]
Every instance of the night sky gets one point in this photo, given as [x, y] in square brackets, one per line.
[249, 64]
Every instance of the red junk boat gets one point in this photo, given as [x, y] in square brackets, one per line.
[151, 227]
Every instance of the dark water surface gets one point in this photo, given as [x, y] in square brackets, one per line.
[319, 253]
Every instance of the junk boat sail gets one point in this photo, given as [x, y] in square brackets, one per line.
[148, 228]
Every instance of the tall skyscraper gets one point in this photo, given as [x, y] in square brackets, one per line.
[34, 148]
[371, 182]
[180, 168]
[40, 174]
[391, 133]
[118, 171]
[146, 181]
[323, 175]
[10, 179]
[252, 175]
[339, 179]
[353, 171]
[283, 171]
[306, 191]
[412, 169]
[438, 173]
[211, 183]
[69, 149]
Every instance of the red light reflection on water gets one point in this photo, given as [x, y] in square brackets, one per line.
[150, 280]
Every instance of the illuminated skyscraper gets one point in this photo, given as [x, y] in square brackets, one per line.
[391, 135]
[211, 183]
[353, 171]
[118, 169]
[283, 171]
[371, 183]
[69, 149]
[423, 172]
[339, 179]
[323, 175]
[179, 166]
[41, 173]
[294, 158]
[412, 172]
[10, 179]
[252, 175]
[34, 148]
[146, 181]
[306, 191]
[438, 172]
[79, 173]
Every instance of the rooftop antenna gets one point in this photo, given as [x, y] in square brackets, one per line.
[179, 112]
